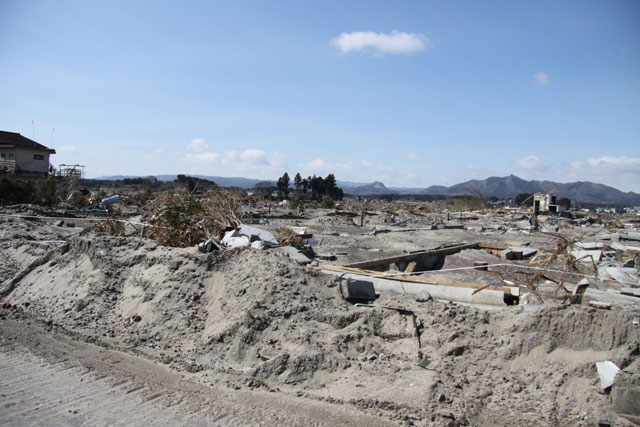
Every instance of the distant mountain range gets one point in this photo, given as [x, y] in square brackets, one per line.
[510, 186]
[501, 187]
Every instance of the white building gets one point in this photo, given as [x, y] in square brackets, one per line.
[22, 158]
[544, 203]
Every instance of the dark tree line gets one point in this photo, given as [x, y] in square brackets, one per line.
[310, 188]
[193, 184]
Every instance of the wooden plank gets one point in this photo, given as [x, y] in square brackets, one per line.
[492, 247]
[411, 257]
[415, 279]
[411, 267]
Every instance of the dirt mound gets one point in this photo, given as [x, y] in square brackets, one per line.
[239, 308]
[250, 318]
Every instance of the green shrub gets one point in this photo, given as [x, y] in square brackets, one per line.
[296, 204]
[13, 192]
[46, 192]
[327, 202]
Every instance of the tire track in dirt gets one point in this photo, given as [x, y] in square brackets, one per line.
[49, 379]
[35, 393]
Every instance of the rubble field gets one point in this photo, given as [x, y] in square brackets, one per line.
[265, 321]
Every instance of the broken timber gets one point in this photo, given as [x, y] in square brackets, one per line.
[413, 256]
[416, 279]
[411, 267]
[415, 262]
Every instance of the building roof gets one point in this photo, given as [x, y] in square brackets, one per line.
[12, 139]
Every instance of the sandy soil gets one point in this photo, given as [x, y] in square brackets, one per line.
[47, 378]
[254, 320]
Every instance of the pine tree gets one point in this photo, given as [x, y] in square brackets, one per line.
[283, 185]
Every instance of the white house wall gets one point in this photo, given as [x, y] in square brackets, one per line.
[25, 162]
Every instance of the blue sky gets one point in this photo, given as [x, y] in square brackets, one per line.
[408, 93]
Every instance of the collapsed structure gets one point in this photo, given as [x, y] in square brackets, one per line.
[410, 316]
[544, 203]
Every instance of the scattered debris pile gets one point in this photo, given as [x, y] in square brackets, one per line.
[250, 318]
[182, 219]
[258, 319]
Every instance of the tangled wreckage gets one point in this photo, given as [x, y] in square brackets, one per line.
[389, 314]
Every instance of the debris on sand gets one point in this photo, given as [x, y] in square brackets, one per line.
[257, 319]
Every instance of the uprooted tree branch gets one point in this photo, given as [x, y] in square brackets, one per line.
[182, 219]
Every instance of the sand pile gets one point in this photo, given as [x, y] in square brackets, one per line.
[249, 318]
[25, 242]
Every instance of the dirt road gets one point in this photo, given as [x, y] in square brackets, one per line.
[46, 378]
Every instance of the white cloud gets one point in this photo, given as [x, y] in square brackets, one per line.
[620, 172]
[277, 160]
[380, 43]
[532, 167]
[202, 157]
[318, 165]
[197, 145]
[70, 149]
[541, 79]
[413, 157]
[254, 157]
[250, 162]
[229, 158]
[361, 171]
[530, 162]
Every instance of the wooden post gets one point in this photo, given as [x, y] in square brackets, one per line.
[411, 267]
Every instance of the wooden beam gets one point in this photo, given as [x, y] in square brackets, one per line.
[496, 250]
[415, 279]
[411, 267]
[412, 257]
[492, 247]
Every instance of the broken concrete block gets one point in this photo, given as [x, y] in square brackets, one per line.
[587, 255]
[357, 290]
[246, 234]
[388, 293]
[295, 254]
[259, 244]
[254, 233]
[629, 235]
[590, 245]
[622, 275]
[578, 292]
[618, 246]
[607, 371]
